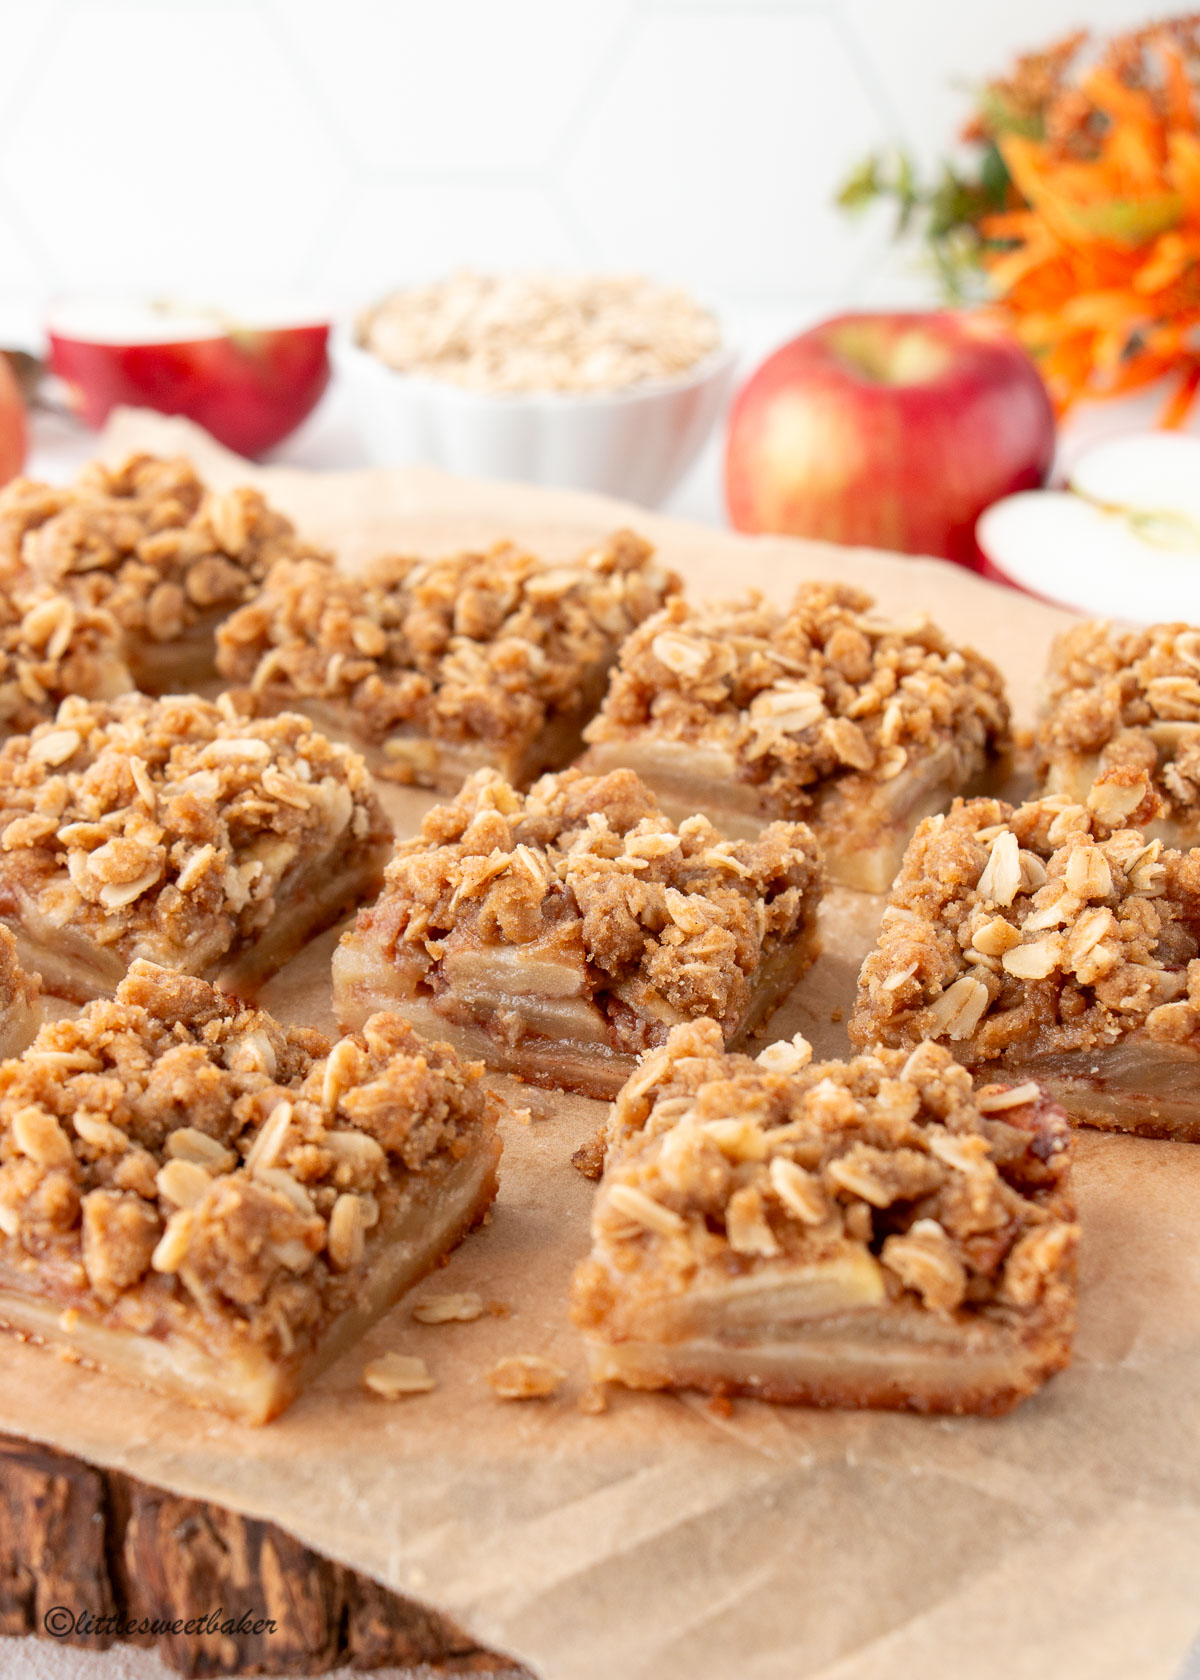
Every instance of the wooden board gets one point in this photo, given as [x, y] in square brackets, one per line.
[80, 1545]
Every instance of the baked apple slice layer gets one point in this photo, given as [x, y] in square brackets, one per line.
[180, 832]
[825, 713]
[436, 668]
[201, 1200]
[862, 1233]
[1052, 942]
[20, 999]
[560, 933]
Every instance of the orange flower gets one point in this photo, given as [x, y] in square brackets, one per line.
[1101, 269]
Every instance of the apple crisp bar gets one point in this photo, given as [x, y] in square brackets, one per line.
[822, 714]
[561, 933]
[148, 543]
[1051, 942]
[178, 831]
[862, 1233]
[50, 648]
[201, 1200]
[20, 999]
[435, 668]
[1121, 697]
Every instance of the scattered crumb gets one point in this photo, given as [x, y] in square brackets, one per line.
[593, 1401]
[720, 1405]
[448, 1309]
[499, 1309]
[523, 1116]
[588, 1159]
[397, 1374]
[835, 1015]
[525, 1376]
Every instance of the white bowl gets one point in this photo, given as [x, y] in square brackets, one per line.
[635, 443]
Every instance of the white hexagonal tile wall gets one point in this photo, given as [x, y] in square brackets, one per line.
[168, 146]
[453, 85]
[714, 153]
[19, 267]
[29, 31]
[388, 234]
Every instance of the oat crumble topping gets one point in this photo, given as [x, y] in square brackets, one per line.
[823, 690]
[666, 922]
[1049, 926]
[50, 648]
[146, 541]
[720, 1164]
[476, 647]
[168, 826]
[1128, 697]
[174, 1160]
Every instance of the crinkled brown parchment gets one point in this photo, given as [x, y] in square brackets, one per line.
[664, 1540]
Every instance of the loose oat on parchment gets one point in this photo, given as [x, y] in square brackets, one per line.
[525, 1376]
[394, 1375]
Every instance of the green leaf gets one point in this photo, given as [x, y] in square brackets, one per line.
[1000, 116]
[994, 177]
[862, 186]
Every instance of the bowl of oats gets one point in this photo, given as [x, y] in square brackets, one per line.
[596, 382]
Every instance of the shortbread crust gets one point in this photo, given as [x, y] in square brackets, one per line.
[863, 1233]
[1123, 697]
[560, 933]
[214, 1205]
[1054, 942]
[826, 714]
[149, 544]
[178, 831]
[437, 668]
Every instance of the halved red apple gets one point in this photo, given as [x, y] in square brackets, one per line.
[248, 377]
[14, 437]
[1122, 542]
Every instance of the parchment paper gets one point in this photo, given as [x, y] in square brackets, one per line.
[663, 1538]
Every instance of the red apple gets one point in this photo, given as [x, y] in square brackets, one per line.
[13, 435]
[893, 431]
[249, 381]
